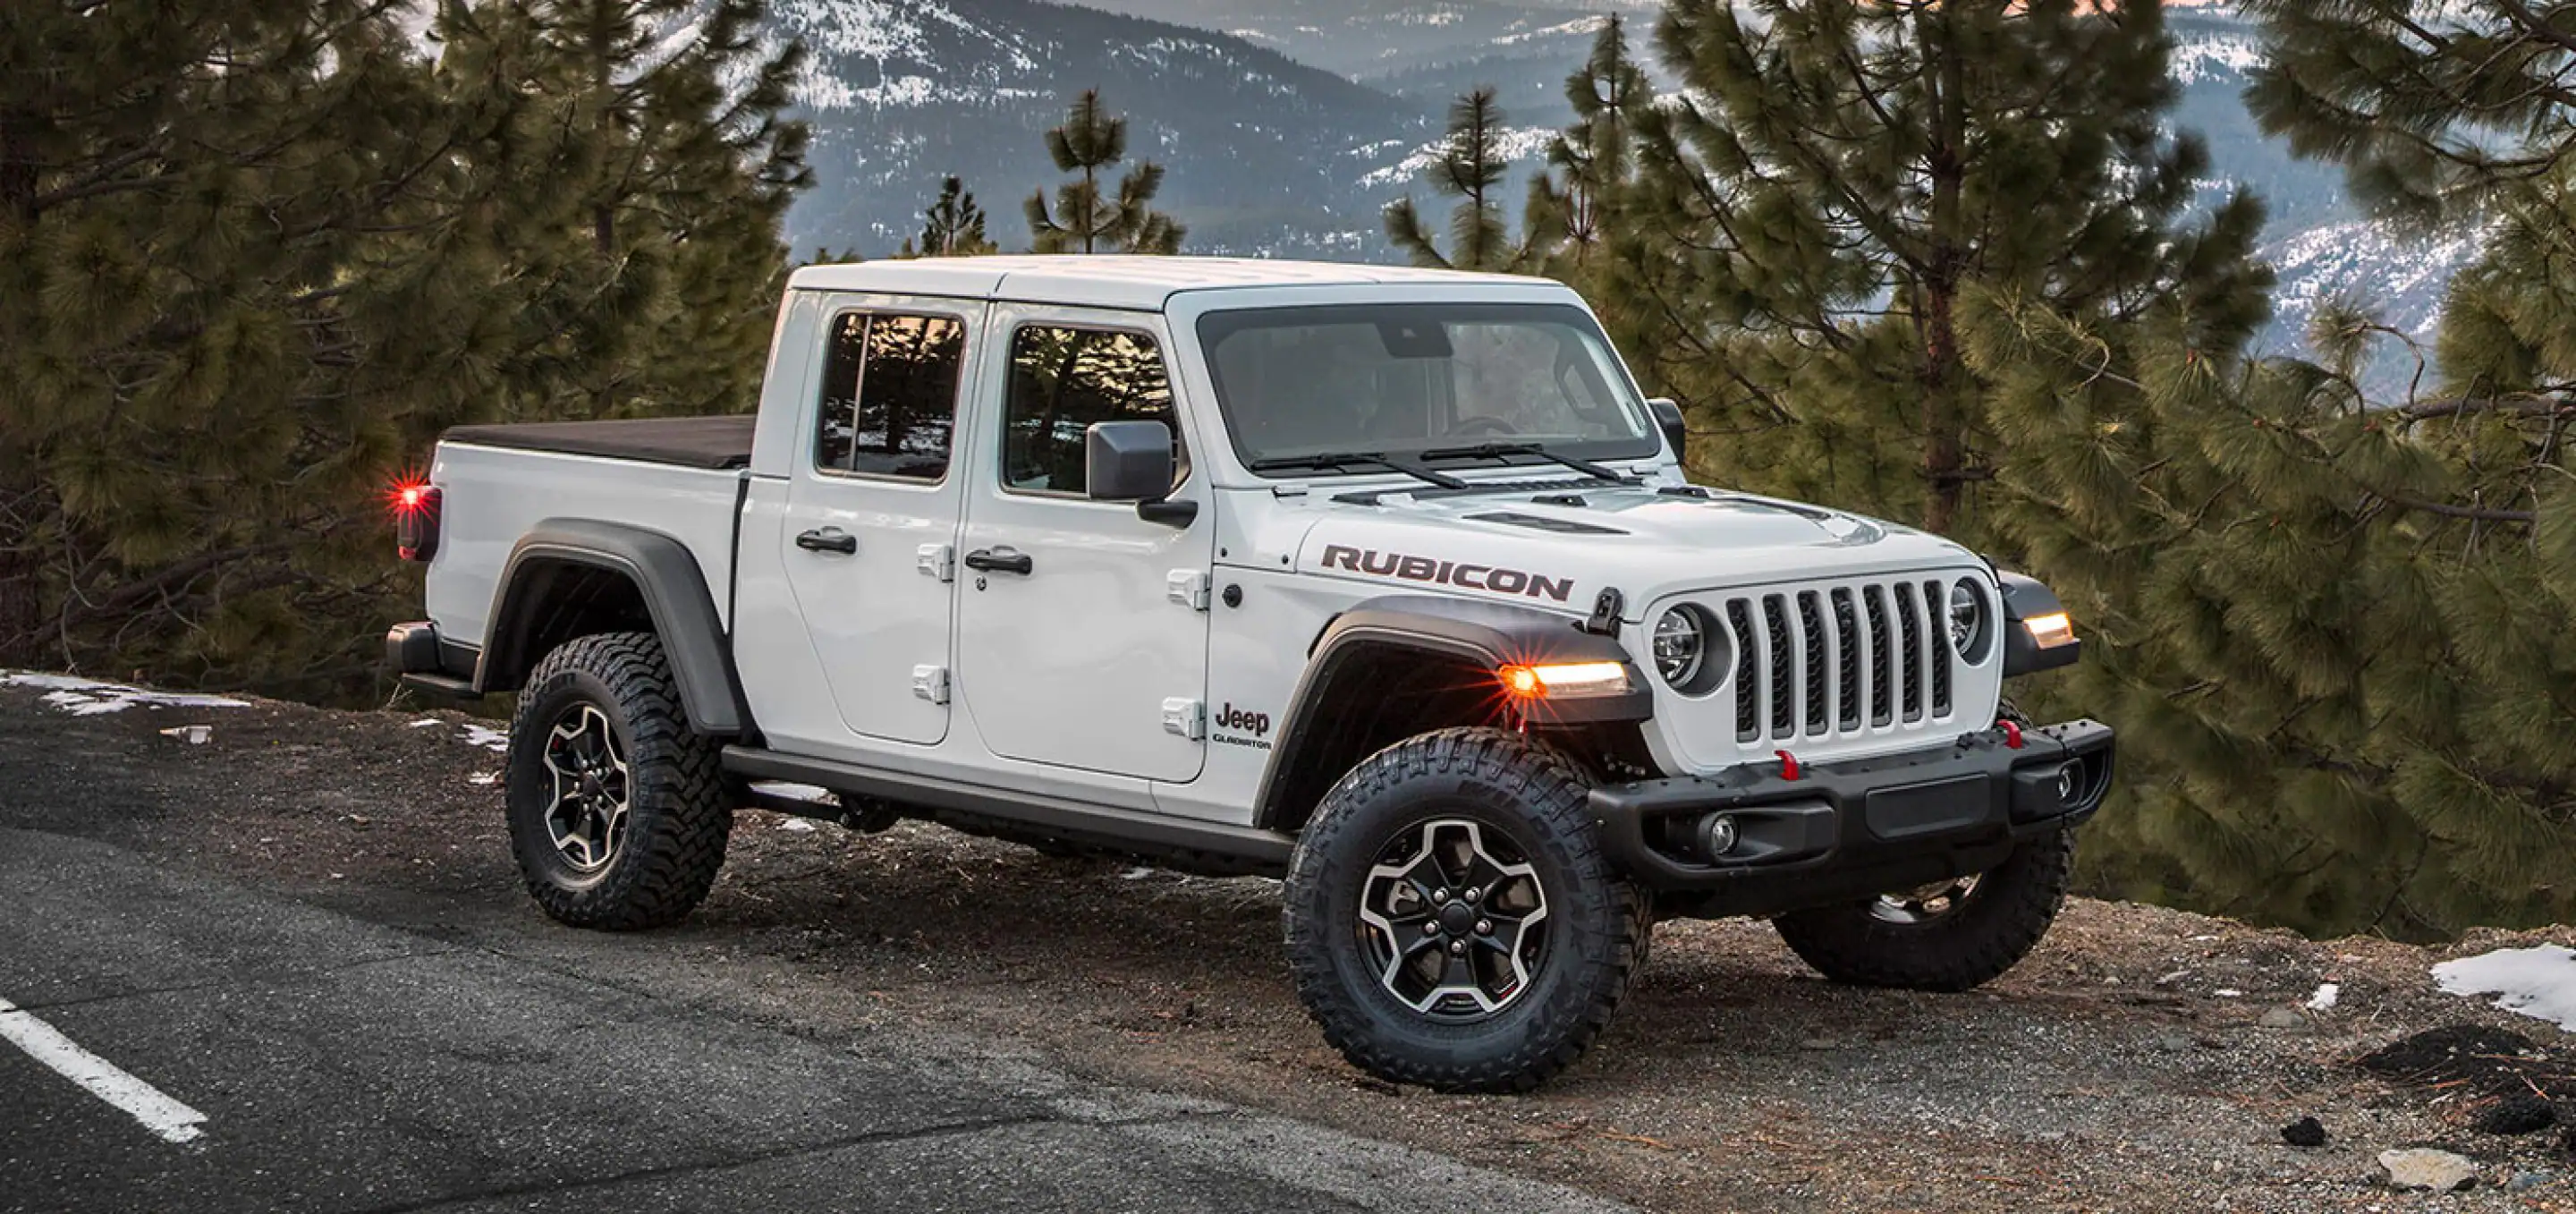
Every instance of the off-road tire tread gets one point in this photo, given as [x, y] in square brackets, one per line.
[2016, 903]
[681, 815]
[1554, 792]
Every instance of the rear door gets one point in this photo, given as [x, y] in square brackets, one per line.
[872, 516]
[1074, 648]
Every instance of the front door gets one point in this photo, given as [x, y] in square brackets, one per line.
[872, 518]
[1074, 648]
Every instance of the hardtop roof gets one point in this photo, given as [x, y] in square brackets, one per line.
[1115, 281]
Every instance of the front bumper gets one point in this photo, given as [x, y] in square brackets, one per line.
[1853, 830]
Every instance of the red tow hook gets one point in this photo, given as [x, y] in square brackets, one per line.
[1789, 762]
[2012, 734]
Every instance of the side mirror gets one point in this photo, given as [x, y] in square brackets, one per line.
[1668, 417]
[1127, 461]
[1132, 462]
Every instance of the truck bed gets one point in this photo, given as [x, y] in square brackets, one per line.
[686, 442]
[680, 477]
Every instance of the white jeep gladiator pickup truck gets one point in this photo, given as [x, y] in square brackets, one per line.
[1386, 582]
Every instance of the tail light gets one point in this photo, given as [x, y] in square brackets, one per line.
[416, 510]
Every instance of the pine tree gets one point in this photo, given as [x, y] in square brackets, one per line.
[1093, 142]
[662, 124]
[2347, 665]
[952, 225]
[1815, 205]
[1470, 165]
[253, 262]
[1591, 166]
[2431, 104]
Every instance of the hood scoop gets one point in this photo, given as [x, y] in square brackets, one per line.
[1561, 526]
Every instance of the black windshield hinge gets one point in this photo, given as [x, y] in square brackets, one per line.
[1605, 613]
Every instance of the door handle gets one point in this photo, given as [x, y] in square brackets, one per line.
[829, 539]
[1000, 560]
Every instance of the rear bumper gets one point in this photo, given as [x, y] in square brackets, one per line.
[426, 661]
[1852, 830]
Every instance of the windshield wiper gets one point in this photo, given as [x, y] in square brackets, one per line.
[1338, 459]
[1500, 450]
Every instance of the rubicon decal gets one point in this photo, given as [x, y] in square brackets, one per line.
[1461, 574]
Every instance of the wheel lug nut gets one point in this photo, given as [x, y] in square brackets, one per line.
[1440, 895]
[1484, 927]
[1457, 947]
[1473, 893]
[1431, 929]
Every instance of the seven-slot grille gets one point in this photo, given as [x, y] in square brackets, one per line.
[1824, 661]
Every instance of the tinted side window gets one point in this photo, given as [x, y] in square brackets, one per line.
[890, 395]
[1063, 380]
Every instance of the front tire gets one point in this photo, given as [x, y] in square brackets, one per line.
[617, 809]
[1451, 920]
[1954, 936]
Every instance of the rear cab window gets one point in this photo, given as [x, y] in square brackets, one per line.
[889, 395]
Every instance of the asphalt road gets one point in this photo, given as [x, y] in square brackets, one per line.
[389, 1060]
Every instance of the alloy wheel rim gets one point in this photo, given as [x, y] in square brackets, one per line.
[1925, 903]
[1453, 920]
[589, 793]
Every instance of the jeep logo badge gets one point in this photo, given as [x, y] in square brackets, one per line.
[1447, 573]
[1255, 723]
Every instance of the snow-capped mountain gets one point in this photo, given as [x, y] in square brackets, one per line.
[1286, 125]
[1264, 154]
[1373, 39]
[2318, 242]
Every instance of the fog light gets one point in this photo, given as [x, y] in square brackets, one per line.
[1717, 835]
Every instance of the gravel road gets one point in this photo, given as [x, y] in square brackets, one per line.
[2143, 1059]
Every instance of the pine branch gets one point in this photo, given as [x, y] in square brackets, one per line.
[2478, 513]
[2520, 404]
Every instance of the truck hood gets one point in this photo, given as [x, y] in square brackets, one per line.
[1561, 547]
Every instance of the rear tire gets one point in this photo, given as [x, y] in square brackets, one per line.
[1518, 986]
[617, 809]
[1974, 937]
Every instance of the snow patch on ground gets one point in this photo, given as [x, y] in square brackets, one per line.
[89, 697]
[471, 734]
[2537, 982]
[2324, 999]
[794, 792]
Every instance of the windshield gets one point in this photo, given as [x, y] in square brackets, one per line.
[1404, 379]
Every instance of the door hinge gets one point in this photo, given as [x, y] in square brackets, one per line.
[936, 560]
[1187, 718]
[930, 683]
[1187, 587]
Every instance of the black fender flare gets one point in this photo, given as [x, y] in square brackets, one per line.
[2024, 598]
[1488, 634]
[675, 594]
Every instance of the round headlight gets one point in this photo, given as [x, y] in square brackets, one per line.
[1967, 619]
[1681, 646]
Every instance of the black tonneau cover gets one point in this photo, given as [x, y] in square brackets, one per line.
[689, 442]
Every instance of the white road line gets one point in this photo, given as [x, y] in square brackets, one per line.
[173, 1121]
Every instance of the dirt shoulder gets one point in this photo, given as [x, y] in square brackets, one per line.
[2142, 1059]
